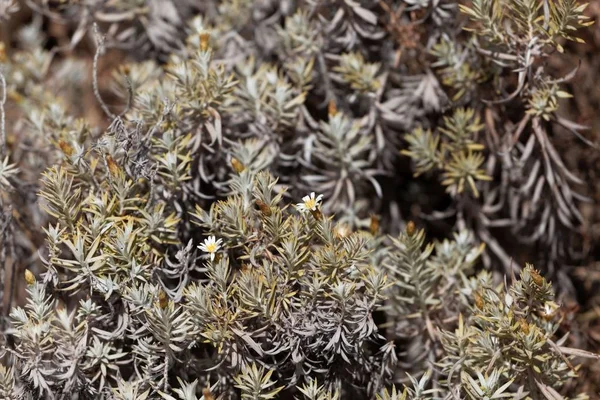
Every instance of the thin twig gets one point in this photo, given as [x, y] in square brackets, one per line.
[129, 97]
[6, 236]
[2, 117]
[99, 51]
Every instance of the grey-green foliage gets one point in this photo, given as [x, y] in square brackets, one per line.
[285, 298]
[174, 264]
[459, 155]
[507, 347]
[266, 71]
[285, 290]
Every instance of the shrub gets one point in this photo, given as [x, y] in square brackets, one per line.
[234, 213]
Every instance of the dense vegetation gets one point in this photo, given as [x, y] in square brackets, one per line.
[311, 199]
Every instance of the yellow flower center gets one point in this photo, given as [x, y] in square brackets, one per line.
[211, 247]
[310, 203]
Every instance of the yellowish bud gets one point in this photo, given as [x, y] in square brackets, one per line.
[479, 303]
[163, 299]
[207, 394]
[374, 226]
[3, 57]
[29, 277]
[524, 326]
[264, 208]
[410, 228]
[204, 41]
[537, 278]
[332, 108]
[237, 165]
[113, 167]
[66, 148]
[317, 214]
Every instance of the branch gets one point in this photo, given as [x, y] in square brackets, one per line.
[99, 50]
[2, 117]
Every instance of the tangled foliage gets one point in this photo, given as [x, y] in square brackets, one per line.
[284, 300]
[234, 221]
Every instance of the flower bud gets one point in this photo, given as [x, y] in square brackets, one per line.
[204, 40]
[237, 165]
[332, 108]
[66, 148]
[524, 326]
[29, 277]
[163, 299]
[317, 214]
[3, 57]
[374, 226]
[537, 278]
[410, 228]
[207, 394]
[113, 167]
[479, 303]
[264, 208]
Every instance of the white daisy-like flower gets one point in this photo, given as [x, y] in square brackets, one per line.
[309, 203]
[211, 245]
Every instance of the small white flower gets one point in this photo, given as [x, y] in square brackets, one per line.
[309, 203]
[211, 245]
